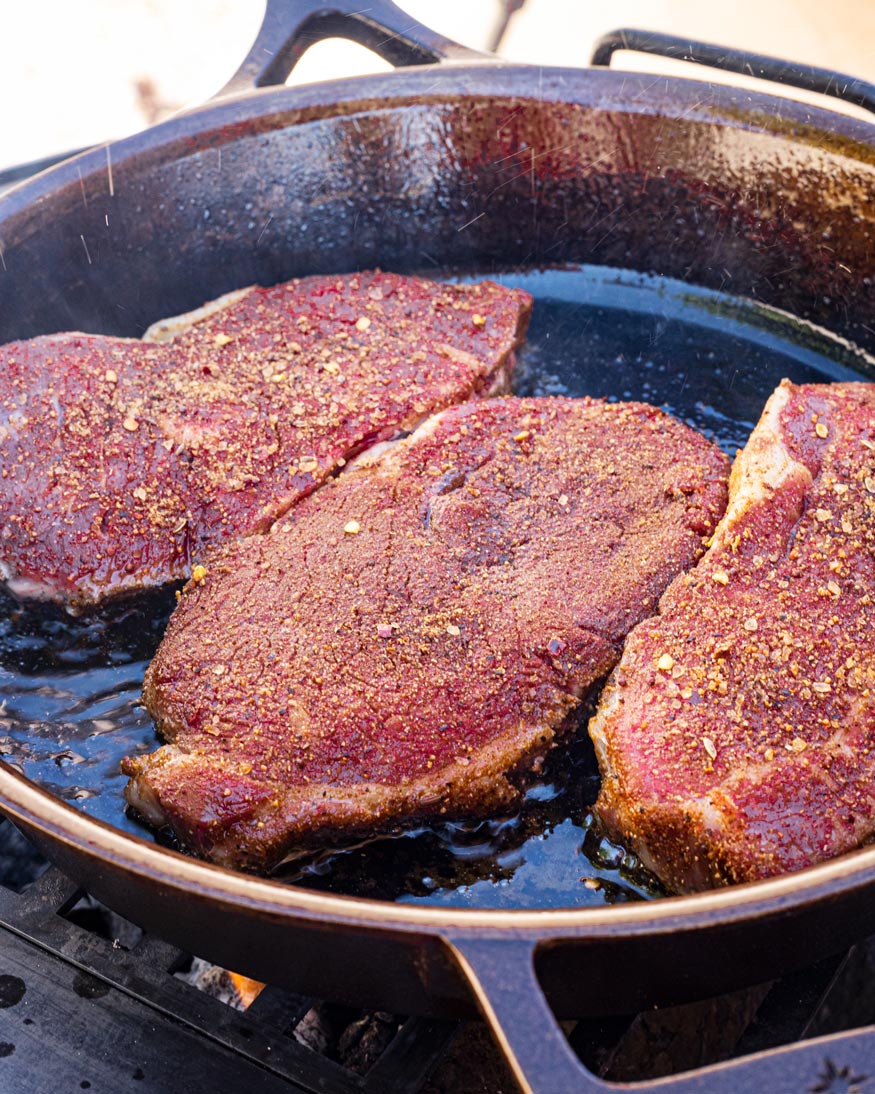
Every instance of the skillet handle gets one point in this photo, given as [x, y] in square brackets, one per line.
[502, 977]
[290, 27]
[807, 77]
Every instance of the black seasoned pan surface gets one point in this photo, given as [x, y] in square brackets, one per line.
[70, 689]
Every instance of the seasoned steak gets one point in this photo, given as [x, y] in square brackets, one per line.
[412, 639]
[123, 459]
[735, 738]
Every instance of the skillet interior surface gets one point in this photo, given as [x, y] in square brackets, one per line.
[70, 689]
[466, 170]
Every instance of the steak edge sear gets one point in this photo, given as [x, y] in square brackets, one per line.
[413, 637]
[125, 459]
[734, 737]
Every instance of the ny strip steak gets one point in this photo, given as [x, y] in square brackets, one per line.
[414, 636]
[736, 736]
[124, 459]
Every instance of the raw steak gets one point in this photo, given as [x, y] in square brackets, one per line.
[123, 459]
[735, 737]
[412, 638]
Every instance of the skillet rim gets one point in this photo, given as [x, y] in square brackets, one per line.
[678, 99]
[38, 809]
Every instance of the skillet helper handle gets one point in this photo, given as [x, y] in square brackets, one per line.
[762, 67]
[501, 975]
[290, 27]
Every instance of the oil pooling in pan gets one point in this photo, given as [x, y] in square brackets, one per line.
[70, 690]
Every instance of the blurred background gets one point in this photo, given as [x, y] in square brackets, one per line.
[75, 74]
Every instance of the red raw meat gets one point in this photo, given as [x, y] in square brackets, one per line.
[412, 638]
[736, 735]
[122, 460]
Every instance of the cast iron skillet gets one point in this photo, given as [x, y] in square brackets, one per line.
[466, 166]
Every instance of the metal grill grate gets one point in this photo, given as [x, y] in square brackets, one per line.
[82, 1011]
[86, 1008]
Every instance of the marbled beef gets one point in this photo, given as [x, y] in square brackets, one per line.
[412, 638]
[123, 459]
[737, 735]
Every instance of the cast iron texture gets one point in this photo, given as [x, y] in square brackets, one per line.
[464, 168]
[453, 168]
[774, 69]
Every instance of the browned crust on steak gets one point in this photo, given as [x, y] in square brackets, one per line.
[124, 460]
[734, 737]
[413, 636]
[293, 820]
